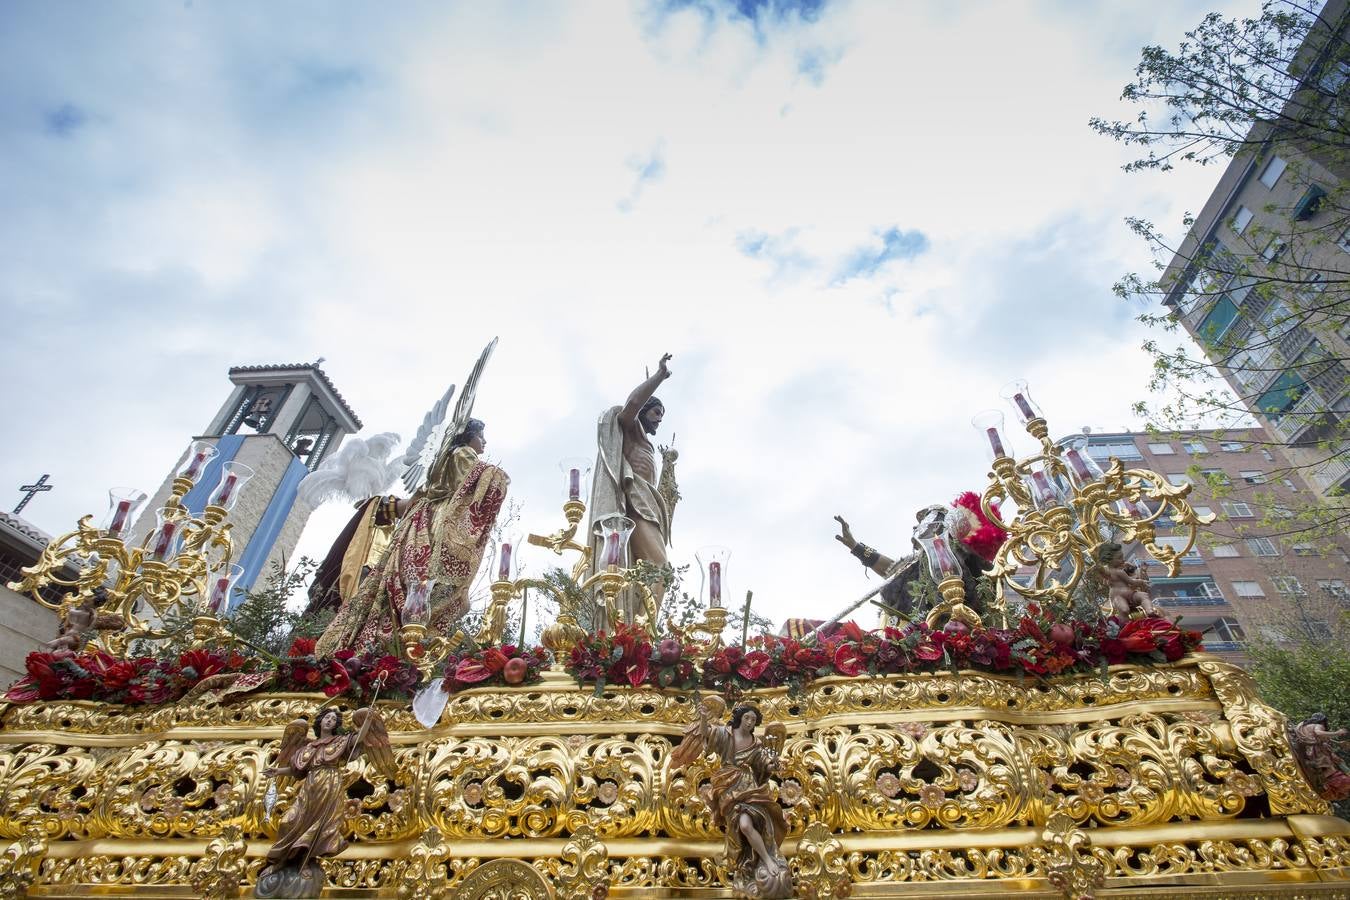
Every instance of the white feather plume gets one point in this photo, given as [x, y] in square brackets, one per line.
[361, 468]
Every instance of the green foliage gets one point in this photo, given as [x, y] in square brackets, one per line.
[265, 624]
[1302, 677]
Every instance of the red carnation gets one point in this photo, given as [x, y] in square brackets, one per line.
[301, 646]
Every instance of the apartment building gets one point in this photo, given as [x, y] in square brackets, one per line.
[1262, 280]
[1247, 574]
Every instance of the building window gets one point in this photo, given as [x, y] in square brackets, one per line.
[1217, 321]
[1203, 510]
[1242, 219]
[1305, 550]
[1262, 547]
[1161, 449]
[1235, 510]
[1272, 172]
[1194, 447]
[1253, 477]
[1287, 584]
[1282, 512]
[1344, 240]
[1289, 483]
[1177, 479]
[1232, 446]
[1229, 630]
[1274, 249]
[1334, 587]
[1118, 449]
[1267, 455]
[1248, 589]
[1179, 543]
[1216, 476]
[1283, 394]
[1225, 550]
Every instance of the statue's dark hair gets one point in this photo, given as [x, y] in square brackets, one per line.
[651, 402]
[337, 729]
[1318, 718]
[739, 713]
[475, 426]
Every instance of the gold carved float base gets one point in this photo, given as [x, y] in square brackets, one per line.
[1174, 781]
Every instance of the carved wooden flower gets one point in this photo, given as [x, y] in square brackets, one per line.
[173, 807]
[1091, 792]
[473, 793]
[1245, 784]
[916, 730]
[607, 792]
[790, 791]
[888, 784]
[1123, 777]
[967, 779]
[931, 796]
[396, 800]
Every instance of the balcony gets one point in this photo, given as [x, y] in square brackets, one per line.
[1185, 601]
[1224, 646]
[1308, 413]
[1333, 474]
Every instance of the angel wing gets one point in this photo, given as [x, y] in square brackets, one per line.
[292, 739]
[415, 458]
[691, 748]
[375, 740]
[360, 468]
[775, 736]
[464, 405]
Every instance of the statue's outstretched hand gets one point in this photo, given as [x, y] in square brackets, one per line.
[845, 535]
[661, 368]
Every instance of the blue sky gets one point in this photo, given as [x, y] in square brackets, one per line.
[849, 222]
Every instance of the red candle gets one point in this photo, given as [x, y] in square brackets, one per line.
[996, 442]
[947, 563]
[225, 491]
[220, 593]
[1079, 465]
[1044, 495]
[195, 469]
[612, 550]
[504, 567]
[574, 484]
[165, 539]
[1024, 406]
[714, 584]
[119, 521]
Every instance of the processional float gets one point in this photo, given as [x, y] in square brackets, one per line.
[968, 752]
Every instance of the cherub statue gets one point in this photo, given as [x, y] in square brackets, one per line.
[744, 804]
[1128, 586]
[1315, 748]
[312, 828]
[78, 623]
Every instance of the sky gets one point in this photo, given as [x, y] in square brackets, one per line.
[850, 223]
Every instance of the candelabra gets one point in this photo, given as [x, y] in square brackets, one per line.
[1068, 508]
[135, 590]
[424, 650]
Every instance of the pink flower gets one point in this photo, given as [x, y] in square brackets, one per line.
[887, 784]
[932, 796]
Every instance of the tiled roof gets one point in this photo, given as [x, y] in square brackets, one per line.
[311, 367]
[26, 530]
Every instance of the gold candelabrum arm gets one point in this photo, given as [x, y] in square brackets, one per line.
[137, 593]
[565, 538]
[1053, 545]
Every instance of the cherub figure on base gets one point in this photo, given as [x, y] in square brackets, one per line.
[312, 828]
[744, 803]
[1315, 748]
[1129, 589]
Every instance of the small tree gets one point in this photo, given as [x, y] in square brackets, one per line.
[265, 622]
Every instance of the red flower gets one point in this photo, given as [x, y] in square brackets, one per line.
[1114, 651]
[301, 646]
[928, 650]
[754, 665]
[203, 663]
[849, 660]
[494, 660]
[471, 671]
[852, 631]
[341, 680]
[1146, 635]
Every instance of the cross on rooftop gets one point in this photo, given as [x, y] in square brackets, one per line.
[31, 491]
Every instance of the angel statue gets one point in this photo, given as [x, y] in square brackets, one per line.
[745, 805]
[312, 828]
[441, 534]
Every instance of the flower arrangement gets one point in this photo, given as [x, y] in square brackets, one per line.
[1037, 646]
[507, 665]
[66, 675]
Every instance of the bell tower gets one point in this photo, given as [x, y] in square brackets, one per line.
[280, 421]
